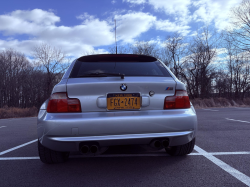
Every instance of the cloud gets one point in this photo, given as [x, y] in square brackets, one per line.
[132, 25]
[36, 16]
[85, 16]
[41, 26]
[183, 12]
[217, 11]
[176, 7]
[166, 25]
[27, 22]
[135, 1]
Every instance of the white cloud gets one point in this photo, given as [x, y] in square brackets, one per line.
[178, 7]
[135, 1]
[36, 16]
[27, 22]
[131, 25]
[185, 11]
[166, 25]
[75, 40]
[85, 16]
[178, 10]
[26, 46]
[40, 26]
[214, 10]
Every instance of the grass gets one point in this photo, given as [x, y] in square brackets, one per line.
[13, 112]
[220, 102]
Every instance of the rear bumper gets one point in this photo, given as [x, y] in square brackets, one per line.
[64, 132]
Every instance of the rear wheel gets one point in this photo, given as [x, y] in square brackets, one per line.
[181, 149]
[49, 156]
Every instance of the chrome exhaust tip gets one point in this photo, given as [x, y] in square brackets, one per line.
[84, 149]
[157, 144]
[165, 143]
[93, 149]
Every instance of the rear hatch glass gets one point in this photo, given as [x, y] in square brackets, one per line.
[109, 69]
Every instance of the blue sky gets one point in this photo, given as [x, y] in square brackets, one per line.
[82, 26]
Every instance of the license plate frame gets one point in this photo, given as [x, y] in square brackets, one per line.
[117, 101]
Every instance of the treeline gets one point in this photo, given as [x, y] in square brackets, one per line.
[24, 84]
[209, 63]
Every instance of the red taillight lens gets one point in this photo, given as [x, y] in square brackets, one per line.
[179, 101]
[59, 102]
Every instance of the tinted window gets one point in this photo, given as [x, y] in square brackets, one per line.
[155, 69]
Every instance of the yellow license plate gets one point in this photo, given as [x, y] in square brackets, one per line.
[128, 101]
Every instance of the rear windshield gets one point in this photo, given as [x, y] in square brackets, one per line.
[148, 69]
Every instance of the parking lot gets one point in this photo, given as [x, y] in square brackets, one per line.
[221, 157]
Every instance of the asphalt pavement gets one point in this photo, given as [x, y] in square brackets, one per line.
[221, 157]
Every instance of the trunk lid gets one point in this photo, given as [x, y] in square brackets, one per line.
[92, 92]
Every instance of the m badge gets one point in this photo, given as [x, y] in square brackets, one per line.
[169, 88]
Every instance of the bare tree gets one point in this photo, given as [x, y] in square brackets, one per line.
[230, 52]
[12, 66]
[144, 48]
[52, 61]
[173, 52]
[241, 25]
[198, 71]
[241, 75]
[222, 83]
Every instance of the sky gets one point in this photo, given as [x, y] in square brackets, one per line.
[78, 27]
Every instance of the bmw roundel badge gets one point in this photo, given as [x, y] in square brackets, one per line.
[123, 87]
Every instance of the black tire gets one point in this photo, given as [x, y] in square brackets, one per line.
[49, 156]
[181, 149]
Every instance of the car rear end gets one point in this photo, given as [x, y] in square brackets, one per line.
[106, 100]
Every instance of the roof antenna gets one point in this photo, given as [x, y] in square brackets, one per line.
[115, 38]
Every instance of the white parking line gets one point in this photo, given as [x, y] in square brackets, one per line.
[230, 153]
[209, 109]
[235, 173]
[241, 108]
[129, 155]
[2, 127]
[17, 147]
[19, 158]
[237, 120]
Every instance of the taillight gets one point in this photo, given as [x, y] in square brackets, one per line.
[59, 102]
[179, 101]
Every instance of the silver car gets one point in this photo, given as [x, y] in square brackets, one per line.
[113, 99]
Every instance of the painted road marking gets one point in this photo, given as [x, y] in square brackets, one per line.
[2, 127]
[129, 155]
[209, 109]
[235, 173]
[238, 120]
[19, 158]
[17, 147]
[164, 154]
[241, 108]
[231, 153]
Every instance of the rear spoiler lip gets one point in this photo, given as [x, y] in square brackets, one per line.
[117, 58]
